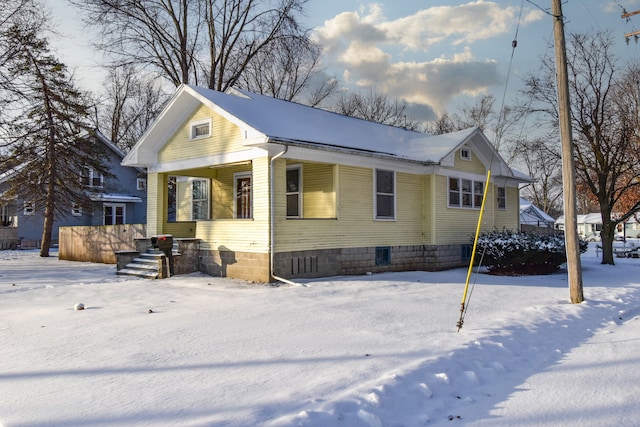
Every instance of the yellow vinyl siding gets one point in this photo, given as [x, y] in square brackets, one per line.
[318, 191]
[241, 235]
[427, 209]
[457, 225]
[508, 218]
[183, 200]
[355, 225]
[156, 203]
[223, 197]
[185, 229]
[225, 137]
[472, 166]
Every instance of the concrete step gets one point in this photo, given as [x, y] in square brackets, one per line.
[143, 266]
[146, 260]
[147, 274]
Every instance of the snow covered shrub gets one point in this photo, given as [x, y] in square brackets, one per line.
[516, 253]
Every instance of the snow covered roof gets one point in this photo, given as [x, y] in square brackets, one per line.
[530, 214]
[591, 218]
[265, 120]
[286, 121]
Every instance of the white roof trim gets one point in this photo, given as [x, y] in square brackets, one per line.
[115, 198]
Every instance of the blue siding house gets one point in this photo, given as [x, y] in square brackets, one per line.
[118, 199]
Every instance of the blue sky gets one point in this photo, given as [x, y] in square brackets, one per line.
[433, 54]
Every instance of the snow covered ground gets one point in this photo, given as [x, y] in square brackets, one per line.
[380, 350]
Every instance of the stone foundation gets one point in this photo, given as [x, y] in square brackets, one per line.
[357, 261]
[253, 267]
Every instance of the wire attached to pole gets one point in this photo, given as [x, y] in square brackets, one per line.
[465, 301]
[473, 253]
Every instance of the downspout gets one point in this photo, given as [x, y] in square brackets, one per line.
[272, 220]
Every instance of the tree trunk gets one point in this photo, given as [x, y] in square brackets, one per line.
[47, 230]
[607, 234]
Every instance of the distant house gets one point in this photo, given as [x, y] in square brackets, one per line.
[274, 189]
[120, 199]
[587, 225]
[532, 218]
[590, 225]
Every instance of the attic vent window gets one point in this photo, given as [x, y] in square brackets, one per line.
[201, 129]
[465, 154]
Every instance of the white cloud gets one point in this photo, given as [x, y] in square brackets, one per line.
[392, 54]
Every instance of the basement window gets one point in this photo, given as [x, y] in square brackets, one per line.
[465, 253]
[383, 255]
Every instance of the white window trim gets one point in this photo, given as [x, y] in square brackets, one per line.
[375, 196]
[236, 177]
[114, 206]
[194, 124]
[90, 175]
[29, 209]
[287, 192]
[76, 210]
[141, 184]
[208, 199]
[466, 157]
[498, 198]
[460, 205]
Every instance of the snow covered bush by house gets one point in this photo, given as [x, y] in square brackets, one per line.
[515, 253]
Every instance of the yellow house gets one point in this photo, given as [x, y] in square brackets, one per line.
[274, 190]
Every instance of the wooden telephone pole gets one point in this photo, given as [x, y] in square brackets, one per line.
[572, 246]
[626, 15]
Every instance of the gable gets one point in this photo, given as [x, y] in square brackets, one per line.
[224, 137]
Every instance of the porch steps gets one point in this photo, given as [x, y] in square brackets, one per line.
[146, 265]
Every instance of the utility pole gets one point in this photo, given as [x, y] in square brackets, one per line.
[627, 15]
[572, 247]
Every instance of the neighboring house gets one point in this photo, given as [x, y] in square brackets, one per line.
[587, 225]
[278, 190]
[532, 218]
[590, 225]
[120, 199]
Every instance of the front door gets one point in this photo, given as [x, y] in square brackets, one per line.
[243, 196]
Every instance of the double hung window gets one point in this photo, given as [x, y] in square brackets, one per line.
[385, 197]
[465, 193]
[199, 199]
[294, 192]
[114, 213]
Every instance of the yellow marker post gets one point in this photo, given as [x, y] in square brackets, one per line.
[473, 252]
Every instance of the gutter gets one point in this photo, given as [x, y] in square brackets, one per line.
[346, 150]
[272, 221]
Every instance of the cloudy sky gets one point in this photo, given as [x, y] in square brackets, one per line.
[434, 54]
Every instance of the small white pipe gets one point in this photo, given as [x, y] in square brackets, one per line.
[272, 220]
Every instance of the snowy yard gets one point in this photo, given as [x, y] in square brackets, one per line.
[380, 350]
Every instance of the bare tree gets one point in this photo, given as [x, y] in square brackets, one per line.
[497, 124]
[289, 69]
[207, 42]
[132, 101]
[606, 152]
[376, 107]
[444, 124]
[544, 165]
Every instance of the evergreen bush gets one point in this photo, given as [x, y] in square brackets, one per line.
[515, 253]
